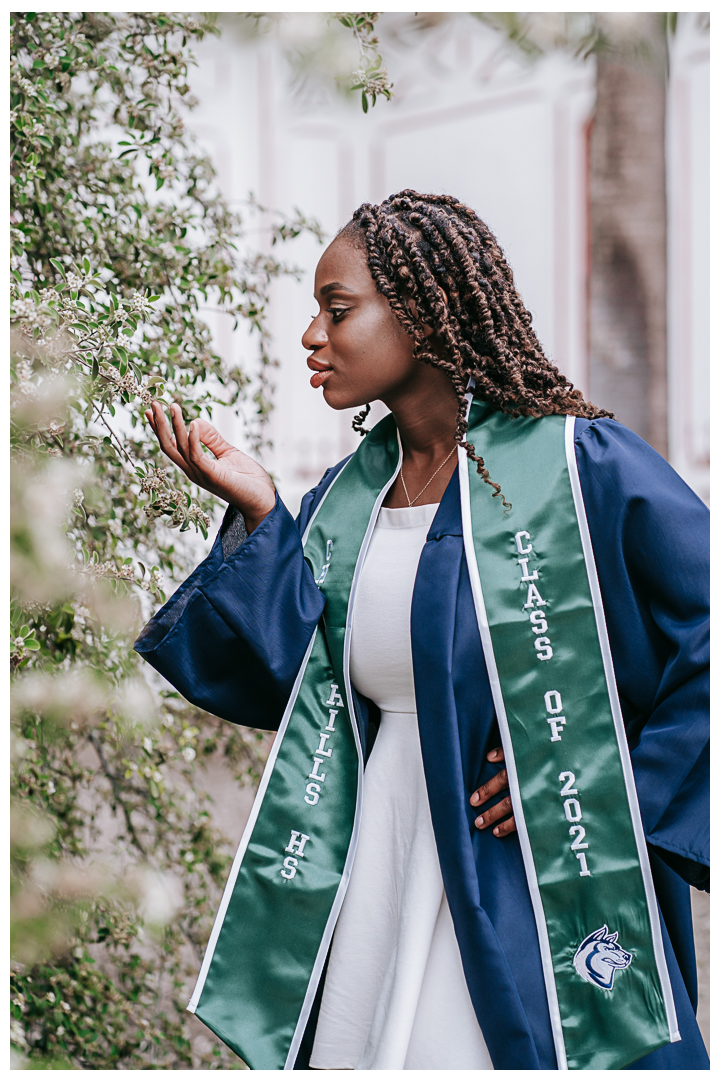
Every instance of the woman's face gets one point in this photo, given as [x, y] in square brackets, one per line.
[359, 350]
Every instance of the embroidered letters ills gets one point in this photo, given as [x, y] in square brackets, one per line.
[323, 752]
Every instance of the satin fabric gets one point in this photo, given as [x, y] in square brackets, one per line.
[232, 638]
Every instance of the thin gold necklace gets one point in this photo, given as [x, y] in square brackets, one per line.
[411, 502]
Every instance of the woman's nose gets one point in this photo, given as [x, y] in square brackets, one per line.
[314, 337]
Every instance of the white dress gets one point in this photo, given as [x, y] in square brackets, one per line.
[395, 995]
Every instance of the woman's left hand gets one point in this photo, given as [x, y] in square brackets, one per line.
[500, 810]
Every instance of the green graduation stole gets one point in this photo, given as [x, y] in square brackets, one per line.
[541, 621]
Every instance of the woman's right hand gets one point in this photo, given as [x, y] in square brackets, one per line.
[225, 472]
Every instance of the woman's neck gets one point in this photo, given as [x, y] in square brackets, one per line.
[426, 415]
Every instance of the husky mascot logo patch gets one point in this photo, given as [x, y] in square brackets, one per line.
[598, 958]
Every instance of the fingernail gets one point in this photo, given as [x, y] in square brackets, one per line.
[474, 799]
[492, 754]
[496, 831]
[479, 821]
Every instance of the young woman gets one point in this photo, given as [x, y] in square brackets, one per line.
[487, 626]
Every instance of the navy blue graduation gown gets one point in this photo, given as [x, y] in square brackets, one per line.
[231, 640]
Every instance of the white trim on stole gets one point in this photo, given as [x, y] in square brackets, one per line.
[485, 637]
[262, 788]
[352, 847]
[495, 686]
[267, 772]
[620, 732]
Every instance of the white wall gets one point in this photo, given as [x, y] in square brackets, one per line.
[471, 120]
[688, 161]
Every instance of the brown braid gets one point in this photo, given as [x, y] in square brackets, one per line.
[418, 244]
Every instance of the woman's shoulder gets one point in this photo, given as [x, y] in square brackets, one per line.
[640, 512]
[614, 462]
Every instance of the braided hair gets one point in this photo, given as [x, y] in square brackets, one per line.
[418, 245]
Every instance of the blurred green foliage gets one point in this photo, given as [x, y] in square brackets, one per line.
[119, 236]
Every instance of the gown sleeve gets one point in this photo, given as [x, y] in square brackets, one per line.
[651, 542]
[232, 638]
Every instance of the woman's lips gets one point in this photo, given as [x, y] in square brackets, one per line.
[320, 377]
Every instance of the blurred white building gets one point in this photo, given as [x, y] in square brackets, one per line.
[471, 119]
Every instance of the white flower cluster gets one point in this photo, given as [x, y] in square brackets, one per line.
[154, 481]
[23, 309]
[172, 502]
[140, 306]
[26, 384]
[126, 384]
[168, 502]
[27, 87]
[373, 84]
[157, 581]
[29, 313]
[110, 570]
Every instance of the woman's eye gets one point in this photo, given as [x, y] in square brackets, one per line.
[337, 313]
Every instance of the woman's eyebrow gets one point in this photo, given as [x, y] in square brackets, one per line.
[334, 285]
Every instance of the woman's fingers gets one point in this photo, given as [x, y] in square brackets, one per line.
[202, 463]
[181, 435]
[165, 436]
[495, 814]
[211, 437]
[505, 827]
[494, 785]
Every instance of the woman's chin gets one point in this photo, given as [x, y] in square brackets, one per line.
[339, 401]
